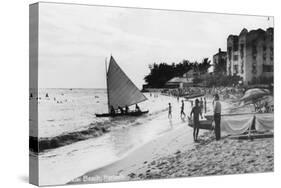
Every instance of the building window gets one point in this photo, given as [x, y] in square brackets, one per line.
[254, 68]
[235, 57]
[254, 51]
[271, 37]
[235, 45]
[264, 38]
[267, 68]
[229, 51]
[229, 69]
[242, 67]
[241, 51]
[235, 69]
[271, 53]
[264, 53]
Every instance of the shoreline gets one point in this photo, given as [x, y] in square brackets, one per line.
[163, 145]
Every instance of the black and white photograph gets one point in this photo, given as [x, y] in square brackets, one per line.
[124, 94]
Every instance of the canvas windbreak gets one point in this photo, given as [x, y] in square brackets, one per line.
[231, 125]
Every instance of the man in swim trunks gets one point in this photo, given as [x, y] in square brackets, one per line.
[196, 111]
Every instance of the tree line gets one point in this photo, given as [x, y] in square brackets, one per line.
[163, 72]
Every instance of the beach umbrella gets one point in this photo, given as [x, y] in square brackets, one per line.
[254, 94]
[269, 99]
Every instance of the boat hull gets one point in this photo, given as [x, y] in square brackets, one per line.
[193, 96]
[204, 124]
[125, 114]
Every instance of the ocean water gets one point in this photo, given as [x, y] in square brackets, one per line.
[74, 141]
[65, 112]
[69, 110]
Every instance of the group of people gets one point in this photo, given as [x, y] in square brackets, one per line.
[202, 104]
[125, 110]
[196, 112]
[263, 107]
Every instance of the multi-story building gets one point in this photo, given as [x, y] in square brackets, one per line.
[250, 55]
[219, 61]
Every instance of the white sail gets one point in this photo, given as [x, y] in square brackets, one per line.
[121, 90]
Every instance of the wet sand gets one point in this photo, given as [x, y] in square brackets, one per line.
[136, 162]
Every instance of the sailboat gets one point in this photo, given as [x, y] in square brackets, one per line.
[121, 92]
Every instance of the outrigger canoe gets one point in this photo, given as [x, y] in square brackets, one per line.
[121, 92]
[124, 114]
[203, 124]
[193, 96]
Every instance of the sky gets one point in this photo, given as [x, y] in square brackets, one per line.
[76, 40]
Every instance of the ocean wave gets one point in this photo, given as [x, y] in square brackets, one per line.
[42, 144]
[93, 130]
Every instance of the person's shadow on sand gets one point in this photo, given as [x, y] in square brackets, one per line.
[206, 138]
[171, 123]
[183, 119]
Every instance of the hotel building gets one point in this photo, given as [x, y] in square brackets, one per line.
[250, 55]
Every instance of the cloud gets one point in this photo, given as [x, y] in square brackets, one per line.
[74, 40]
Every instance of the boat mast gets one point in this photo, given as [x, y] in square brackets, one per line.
[107, 86]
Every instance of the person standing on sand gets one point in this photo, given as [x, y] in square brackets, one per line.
[205, 105]
[182, 109]
[170, 111]
[191, 103]
[196, 111]
[201, 104]
[217, 117]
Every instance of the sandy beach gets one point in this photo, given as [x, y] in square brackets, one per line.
[137, 161]
[211, 157]
[175, 155]
[147, 147]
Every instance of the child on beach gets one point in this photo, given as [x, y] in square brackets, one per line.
[201, 104]
[191, 103]
[182, 109]
[205, 105]
[217, 116]
[196, 110]
[170, 111]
